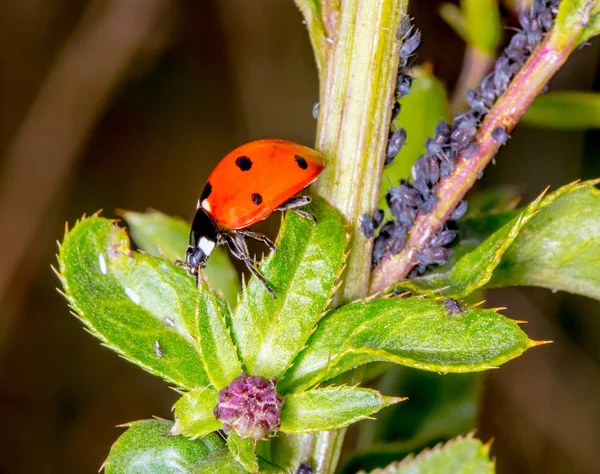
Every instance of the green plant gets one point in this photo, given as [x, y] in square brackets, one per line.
[304, 354]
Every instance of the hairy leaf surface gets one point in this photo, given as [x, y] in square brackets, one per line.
[303, 271]
[216, 347]
[194, 416]
[138, 305]
[242, 450]
[145, 448]
[416, 332]
[459, 456]
[165, 236]
[330, 408]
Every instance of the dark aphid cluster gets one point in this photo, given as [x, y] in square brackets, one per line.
[419, 196]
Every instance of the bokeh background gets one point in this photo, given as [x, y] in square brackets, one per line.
[108, 104]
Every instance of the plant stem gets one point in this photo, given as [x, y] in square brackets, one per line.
[354, 119]
[357, 88]
[548, 58]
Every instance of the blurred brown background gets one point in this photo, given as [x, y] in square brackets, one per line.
[110, 104]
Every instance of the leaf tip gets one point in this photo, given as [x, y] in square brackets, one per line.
[531, 343]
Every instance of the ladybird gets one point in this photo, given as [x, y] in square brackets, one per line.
[246, 187]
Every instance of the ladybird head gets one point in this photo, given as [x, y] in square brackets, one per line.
[204, 237]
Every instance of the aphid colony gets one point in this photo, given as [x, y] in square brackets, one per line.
[419, 196]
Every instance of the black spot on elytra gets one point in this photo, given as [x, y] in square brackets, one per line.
[301, 162]
[206, 192]
[243, 162]
[257, 199]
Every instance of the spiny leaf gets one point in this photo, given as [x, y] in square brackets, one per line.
[136, 304]
[194, 416]
[216, 347]
[416, 332]
[474, 269]
[242, 450]
[560, 248]
[303, 271]
[460, 456]
[145, 448]
[165, 236]
[330, 408]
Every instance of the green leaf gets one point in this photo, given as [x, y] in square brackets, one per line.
[579, 17]
[415, 332]
[164, 236]
[421, 110]
[145, 448]
[483, 27]
[474, 269]
[242, 449]
[194, 416]
[136, 304]
[454, 17]
[330, 408]
[459, 456]
[216, 347]
[303, 271]
[560, 248]
[565, 111]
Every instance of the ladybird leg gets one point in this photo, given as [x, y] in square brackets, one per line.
[260, 237]
[296, 202]
[238, 248]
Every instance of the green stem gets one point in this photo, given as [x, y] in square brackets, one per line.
[354, 120]
[357, 87]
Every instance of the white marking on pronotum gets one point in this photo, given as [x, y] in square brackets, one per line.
[102, 262]
[206, 205]
[133, 295]
[206, 245]
[159, 352]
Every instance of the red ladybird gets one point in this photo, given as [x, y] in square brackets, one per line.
[246, 187]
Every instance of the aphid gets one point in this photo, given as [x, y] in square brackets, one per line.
[396, 109]
[395, 144]
[404, 28]
[315, 110]
[403, 85]
[443, 238]
[442, 132]
[406, 194]
[368, 223]
[516, 49]
[421, 185]
[428, 205]
[410, 44]
[437, 255]
[246, 187]
[459, 211]
[471, 149]
[477, 102]
[426, 168]
[463, 134]
[499, 135]
[305, 468]
[488, 88]
[453, 307]
[546, 19]
[502, 74]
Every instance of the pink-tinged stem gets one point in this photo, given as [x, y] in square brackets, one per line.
[545, 61]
